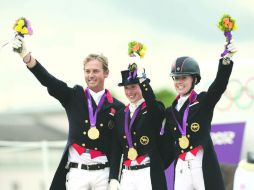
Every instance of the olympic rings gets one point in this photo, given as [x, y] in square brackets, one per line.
[250, 91]
[239, 94]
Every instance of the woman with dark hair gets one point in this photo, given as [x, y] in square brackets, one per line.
[137, 137]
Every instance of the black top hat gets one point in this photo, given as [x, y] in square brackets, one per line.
[128, 78]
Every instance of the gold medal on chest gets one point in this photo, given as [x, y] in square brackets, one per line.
[132, 153]
[93, 133]
[184, 142]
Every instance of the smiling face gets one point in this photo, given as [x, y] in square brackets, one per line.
[133, 93]
[183, 84]
[95, 75]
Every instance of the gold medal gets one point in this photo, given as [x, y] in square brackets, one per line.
[184, 142]
[132, 153]
[93, 133]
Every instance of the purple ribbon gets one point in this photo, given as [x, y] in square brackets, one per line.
[127, 128]
[228, 36]
[132, 74]
[182, 128]
[162, 131]
[93, 116]
[163, 127]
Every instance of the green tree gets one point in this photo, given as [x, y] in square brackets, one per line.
[166, 96]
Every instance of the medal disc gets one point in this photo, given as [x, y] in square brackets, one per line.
[184, 142]
[93, 133]
[132, 153]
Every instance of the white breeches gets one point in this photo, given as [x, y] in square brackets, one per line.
[189, 174]
[136, 179]
[79, 179]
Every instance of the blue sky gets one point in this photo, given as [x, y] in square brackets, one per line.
[66, 31]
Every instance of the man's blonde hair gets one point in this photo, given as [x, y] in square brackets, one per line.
[100, 57]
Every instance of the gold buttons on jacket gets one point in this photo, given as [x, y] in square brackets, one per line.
[95, 148]
[101, 125]
[174, 128]
[124, 137]
[134, 132]
[144, 85]
[188, 136]
[146, 89]
[135, 144]
[86, 121]
[84, 133]
[83, 144]
[191, 147]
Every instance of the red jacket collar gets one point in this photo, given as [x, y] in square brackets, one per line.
[191, 97]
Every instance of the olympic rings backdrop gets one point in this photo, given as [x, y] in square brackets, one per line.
[239, 94]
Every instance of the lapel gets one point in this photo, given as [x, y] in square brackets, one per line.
[139, 116]
[142, 111]
[179, 114]
[108, 102]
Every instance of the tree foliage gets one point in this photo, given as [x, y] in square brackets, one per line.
[165, 96]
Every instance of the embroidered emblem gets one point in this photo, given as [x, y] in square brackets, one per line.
[195, 127]
[144, 140]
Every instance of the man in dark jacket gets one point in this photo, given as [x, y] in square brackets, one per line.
[85, 161]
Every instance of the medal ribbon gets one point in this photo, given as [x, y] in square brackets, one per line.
[93, 117]
[182, 128]
[127, 128]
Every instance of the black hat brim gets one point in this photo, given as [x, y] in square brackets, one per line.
[129, 82]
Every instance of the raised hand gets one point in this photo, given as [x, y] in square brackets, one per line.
[18, 43]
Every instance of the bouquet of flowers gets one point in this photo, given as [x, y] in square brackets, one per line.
[136, 47]
[22, 27]
[227, 24]
[136, 50]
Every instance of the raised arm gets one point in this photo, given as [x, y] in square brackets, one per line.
[219, 85]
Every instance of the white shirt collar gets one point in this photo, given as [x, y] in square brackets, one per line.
[96, 95]
[133, 106]
[180, 102]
